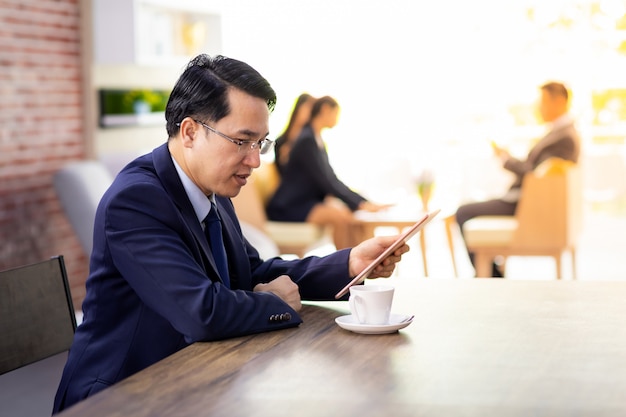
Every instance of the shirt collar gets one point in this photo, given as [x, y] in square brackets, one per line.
[561, 121]
[201, 204]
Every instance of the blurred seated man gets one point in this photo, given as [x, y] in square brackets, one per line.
[562, 140]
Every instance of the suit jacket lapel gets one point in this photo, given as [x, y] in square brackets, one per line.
[166, 171]
[238, 262]
[550, 138]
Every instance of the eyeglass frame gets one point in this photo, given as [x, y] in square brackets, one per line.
[253, 144]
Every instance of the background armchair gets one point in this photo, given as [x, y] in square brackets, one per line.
[80, 186]
[290, 237]
[547, 222]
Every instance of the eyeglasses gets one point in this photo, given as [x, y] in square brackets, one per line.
[244, 146]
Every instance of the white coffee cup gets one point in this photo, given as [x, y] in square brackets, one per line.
[371, 304]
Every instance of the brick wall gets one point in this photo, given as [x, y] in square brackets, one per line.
[41, 129]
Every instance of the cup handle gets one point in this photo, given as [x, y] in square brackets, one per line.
[354, 301]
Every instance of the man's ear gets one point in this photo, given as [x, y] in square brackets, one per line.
[188, 129]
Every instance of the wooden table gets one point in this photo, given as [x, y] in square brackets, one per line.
[476, 348]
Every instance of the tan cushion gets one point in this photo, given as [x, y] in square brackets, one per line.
[266, 180]
[489, 230]
[287, 233]
[264, 244]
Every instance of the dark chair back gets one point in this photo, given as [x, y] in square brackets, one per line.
[37, 318]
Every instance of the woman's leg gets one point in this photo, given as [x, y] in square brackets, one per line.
[345, 230]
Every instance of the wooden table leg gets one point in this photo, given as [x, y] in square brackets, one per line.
[448, 222]
[423, 247]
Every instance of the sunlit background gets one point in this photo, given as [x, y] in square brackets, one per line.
[427, 84]
[423, 86]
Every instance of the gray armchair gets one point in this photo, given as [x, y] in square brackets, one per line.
[80, 186]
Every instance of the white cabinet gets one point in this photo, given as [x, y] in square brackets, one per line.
[154, 32]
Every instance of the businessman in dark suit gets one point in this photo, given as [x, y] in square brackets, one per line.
[161, 278]
[561, 141]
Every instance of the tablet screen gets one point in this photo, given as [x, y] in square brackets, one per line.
[402, 239]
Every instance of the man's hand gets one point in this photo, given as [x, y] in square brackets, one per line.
[366, 252]
[501, 153]
[284, 288]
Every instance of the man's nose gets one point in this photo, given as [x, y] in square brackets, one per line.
[253, 159]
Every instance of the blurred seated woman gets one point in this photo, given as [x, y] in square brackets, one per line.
[310, 191]
[300, 115]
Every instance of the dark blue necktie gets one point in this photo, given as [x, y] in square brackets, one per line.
[213, 231]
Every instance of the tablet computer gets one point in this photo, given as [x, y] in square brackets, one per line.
[402, 239]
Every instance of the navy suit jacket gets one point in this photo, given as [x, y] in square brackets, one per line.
[306, 180]
[153, 287]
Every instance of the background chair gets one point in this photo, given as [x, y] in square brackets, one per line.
[547, 222]
[266, 247]
[80, 186]
[37, 324]
[290, 237]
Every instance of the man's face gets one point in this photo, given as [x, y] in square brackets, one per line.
[551, 108]
[215, 164]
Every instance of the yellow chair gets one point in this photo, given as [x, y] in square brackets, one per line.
[290, 237]
[547, 221]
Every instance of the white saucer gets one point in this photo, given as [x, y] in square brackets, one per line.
[396, 322]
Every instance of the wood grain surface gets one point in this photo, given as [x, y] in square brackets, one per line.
[475, 348]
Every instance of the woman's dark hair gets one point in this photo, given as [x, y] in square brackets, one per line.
[321, 102]
[302, 98]
[201, 90]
